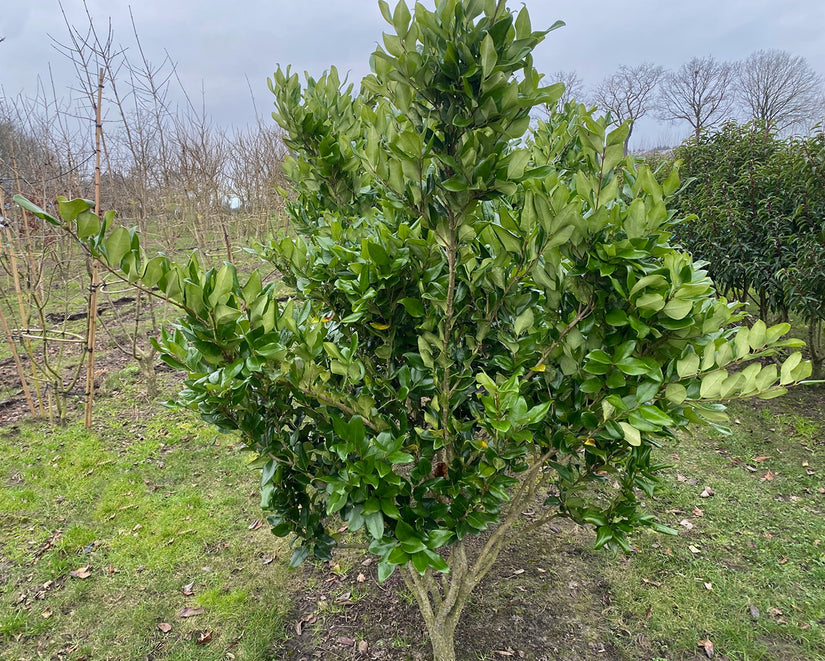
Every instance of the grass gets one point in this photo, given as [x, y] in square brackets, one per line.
[748, 568]
[148, 502]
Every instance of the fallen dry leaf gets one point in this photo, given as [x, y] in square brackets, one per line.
[708, 586]
[257, 523]
[83, 572]
[360, 578]
[693, 549]
[267, 561]
[707, 493]
[649, 582]
[775, 612]
[505, 652]
[202, 637]
[309, 618]
[707, 646]
[343, 640]
[165, 627]
[697, 512]
[190, 612]
[768, 476]
[754, 611]
[686, 524]
[46, 614]
[363, 646]
[188, 589]
[760, 459]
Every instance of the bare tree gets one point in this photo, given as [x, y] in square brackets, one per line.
[573, 86]
[780, 89]
[699, 92]
[627, 94]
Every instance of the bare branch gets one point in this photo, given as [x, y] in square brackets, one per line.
[627, 94]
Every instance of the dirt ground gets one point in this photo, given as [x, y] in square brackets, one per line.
[537, 603]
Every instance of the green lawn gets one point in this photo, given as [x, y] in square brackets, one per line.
[148, 502]
[747, 571]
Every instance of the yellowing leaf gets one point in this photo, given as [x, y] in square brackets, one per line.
[378, 326]
[631, 434]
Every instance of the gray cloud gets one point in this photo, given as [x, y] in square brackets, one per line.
[219, 44]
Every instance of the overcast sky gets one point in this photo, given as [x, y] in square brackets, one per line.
[219, 44]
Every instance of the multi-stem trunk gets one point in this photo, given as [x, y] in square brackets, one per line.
[441, 602]
[441, 598]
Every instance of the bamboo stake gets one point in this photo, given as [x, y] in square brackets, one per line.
[90, 342]
[15, 355]
[18, 364]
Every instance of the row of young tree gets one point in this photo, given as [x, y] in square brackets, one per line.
[169, 171]
[774, 87]
[755, 210]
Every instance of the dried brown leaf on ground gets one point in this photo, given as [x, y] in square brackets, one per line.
[202, 637]
[190, 612]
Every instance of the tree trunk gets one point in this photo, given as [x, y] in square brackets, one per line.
[442, 639]
[816, 349]
[146, 363]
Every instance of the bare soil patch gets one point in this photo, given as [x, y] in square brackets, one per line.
[544, 600]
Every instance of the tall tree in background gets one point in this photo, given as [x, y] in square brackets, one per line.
[628, 93]
[779, 89]
[699, 92]
[573, 86]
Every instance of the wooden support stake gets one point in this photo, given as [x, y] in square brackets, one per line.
[95, 279]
